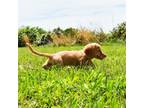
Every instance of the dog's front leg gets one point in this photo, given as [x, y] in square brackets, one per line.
[90, 63]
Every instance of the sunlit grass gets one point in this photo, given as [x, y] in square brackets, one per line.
[72, 87]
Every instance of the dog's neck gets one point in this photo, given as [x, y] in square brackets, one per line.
[87, 57]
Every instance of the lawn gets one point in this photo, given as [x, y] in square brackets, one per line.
[72, 87]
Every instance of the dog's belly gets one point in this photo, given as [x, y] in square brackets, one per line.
[71, 61]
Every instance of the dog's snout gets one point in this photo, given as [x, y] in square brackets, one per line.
[104, 55]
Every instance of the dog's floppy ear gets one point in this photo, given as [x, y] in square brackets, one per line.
[88, 51]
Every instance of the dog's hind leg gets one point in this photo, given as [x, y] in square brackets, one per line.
[47, 65]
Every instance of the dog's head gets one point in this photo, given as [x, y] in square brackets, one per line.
[93, 50]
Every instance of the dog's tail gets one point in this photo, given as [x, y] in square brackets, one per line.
[26, 40]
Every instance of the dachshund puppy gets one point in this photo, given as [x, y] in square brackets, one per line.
[75, 58]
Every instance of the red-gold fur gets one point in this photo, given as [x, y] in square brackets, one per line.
[82, 57]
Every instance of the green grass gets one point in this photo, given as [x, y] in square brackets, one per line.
[72, 87]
